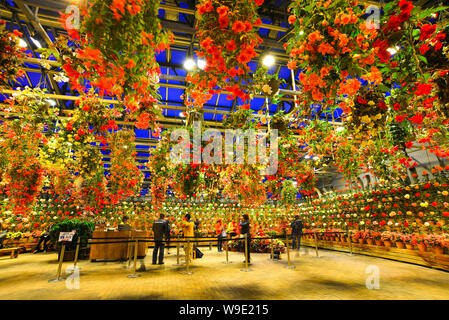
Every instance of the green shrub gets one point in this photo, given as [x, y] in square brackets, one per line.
[83, 230]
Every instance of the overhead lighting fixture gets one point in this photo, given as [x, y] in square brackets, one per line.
[268, 60]
[189, 64]
[22, 43]
[36, 42]
[201, 64]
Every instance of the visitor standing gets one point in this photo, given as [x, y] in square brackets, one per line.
[219, 231]
[160, 229]
[297, 226]
[233, 229]
[188, 231]
[245, 232]
[124, 226]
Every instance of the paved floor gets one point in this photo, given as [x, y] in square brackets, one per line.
[332, 276]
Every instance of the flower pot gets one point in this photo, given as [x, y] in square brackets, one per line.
[438, 250]
[388, 243]
[370, 241]
[422, 247]
[234, 249]
[361, 241]
[400, 244]
[410, 246]
[378, 242]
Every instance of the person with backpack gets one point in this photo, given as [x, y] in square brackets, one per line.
[297, 226]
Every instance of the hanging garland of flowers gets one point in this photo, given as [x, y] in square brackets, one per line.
[118, 42]
[332, 45]
[11, 55]
[125, 176]
[227, 34]
[21, 170]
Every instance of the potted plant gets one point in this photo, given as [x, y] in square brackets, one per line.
[387, 237]
[421, 244]
[400, 241]
[409, 240]
[435, 242]
[377, 237]
[369, 238]
[83, 230]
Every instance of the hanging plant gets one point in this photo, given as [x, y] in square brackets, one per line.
[11, 55]
[332, 45]
[227, 34]
[125, 176]
[289, 192]
[117, 47]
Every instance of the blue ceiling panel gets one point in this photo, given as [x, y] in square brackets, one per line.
[177, 56]
[222, 101]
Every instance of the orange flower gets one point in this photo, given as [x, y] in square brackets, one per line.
[315, 36]
[292, 65]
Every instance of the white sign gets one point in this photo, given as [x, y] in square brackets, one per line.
[66, 236]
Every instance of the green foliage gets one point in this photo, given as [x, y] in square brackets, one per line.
[83, 230]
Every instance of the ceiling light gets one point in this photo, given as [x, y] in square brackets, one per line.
[268, 60]
[189, 64]
[36, 42]
[201, 64]
[392, 51]
[22, 43]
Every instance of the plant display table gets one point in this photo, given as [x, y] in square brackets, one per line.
[116, 250]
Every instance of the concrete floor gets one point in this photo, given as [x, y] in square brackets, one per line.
[332, 276]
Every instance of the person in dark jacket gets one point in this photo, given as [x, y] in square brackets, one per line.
[245, 232]
[297, 226]
[160, 229]
[124, 226]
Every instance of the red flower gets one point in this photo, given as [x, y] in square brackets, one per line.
[259, 2]
[131, 64]
[424, 48]
[424, 89]
[291, 19]
[238, 26]
[224, 21]
[17, 33]
[417, 118]
[427, 30]
[222, 10]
